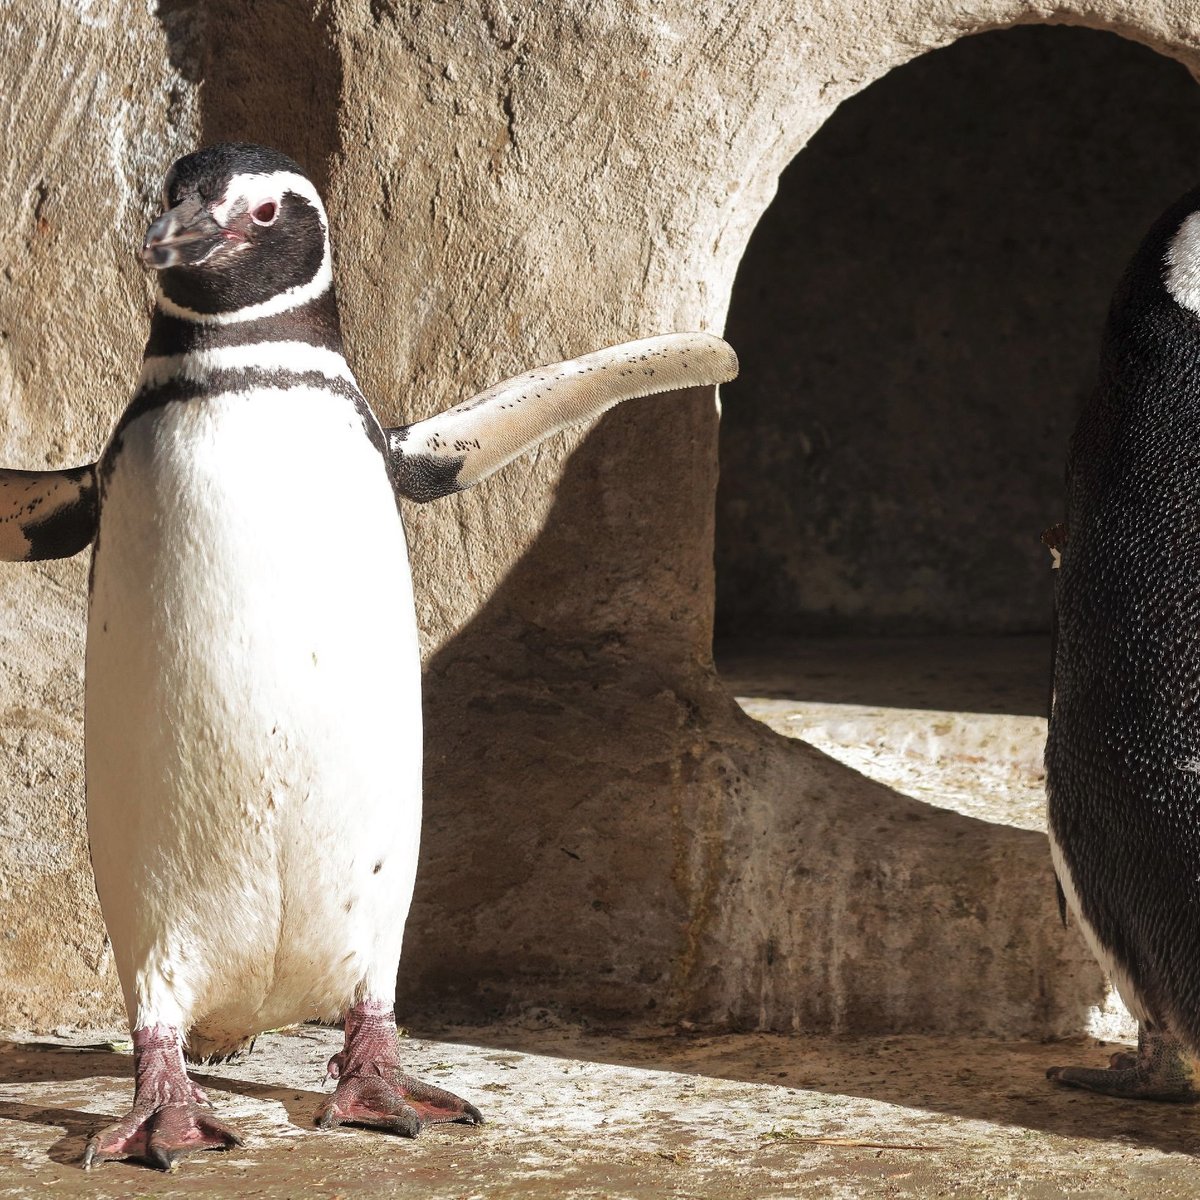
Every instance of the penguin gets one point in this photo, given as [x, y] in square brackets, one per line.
[1123, 747]
[252, 685]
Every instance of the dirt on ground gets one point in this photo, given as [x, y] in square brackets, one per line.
[570, 1115]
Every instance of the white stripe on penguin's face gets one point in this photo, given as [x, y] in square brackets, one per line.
[247, 192]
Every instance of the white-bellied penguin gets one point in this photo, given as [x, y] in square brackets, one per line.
[1123, 754]
[253, 713]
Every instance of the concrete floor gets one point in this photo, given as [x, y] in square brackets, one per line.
[956, 722]
[572, 1115]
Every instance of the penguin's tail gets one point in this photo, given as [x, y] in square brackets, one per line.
[46, 514]
[457, 448]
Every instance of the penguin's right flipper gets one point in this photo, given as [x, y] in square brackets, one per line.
[47, 514]
[454, 450]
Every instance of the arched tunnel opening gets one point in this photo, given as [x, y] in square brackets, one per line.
[918, 317]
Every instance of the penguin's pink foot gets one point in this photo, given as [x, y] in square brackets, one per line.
[371, 1088]
[170, 1116]
[1162, 1069]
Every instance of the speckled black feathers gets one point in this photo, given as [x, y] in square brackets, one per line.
[46, 514]
[421, 477]
[1123, 755]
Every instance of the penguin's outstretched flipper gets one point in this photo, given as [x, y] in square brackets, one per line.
[1162, 1069]
[454, 450]
[46, 514]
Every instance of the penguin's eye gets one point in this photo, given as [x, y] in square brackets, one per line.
[265, 213]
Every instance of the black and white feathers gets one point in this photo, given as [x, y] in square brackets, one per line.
[46, 514]
[253, 708]
[220, 327]
[1123, 755]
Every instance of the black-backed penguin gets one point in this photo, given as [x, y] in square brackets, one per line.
[253, 714]
[1123, 754]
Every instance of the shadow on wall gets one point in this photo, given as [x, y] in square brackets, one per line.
[607, 837]
[918, 316]
[606, 834]
[552, 750]
[277, 83]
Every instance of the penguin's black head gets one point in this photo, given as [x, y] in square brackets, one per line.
[243, 228]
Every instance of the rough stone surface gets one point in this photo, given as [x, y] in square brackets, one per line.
[946, 721]
[575, 1116]
[92, 107]
[511, 183]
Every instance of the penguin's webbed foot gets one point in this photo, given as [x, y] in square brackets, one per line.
[161, 1135]
[1161, 1069]
[396, 1102]
[371, 1088]
[170, 1117]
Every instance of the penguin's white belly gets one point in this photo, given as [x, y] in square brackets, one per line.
[253, 714]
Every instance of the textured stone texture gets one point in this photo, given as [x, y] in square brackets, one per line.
[575, 1116]
[511, 184]
[92, 108]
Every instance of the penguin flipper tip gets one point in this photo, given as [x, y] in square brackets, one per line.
[47, 514]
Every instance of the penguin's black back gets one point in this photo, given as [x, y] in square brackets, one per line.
[1123, 755]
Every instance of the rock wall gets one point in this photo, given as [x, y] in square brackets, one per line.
[512, 183]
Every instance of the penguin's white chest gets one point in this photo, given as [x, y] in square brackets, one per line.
[253, 712]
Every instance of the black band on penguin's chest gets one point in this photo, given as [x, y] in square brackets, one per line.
[315, 322]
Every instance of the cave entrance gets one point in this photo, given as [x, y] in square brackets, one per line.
[918, 317]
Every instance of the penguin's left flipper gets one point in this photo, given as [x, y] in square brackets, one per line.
[46, 514]
[1162, 1069]
[454, 450]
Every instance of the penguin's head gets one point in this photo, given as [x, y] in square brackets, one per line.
[243, 233]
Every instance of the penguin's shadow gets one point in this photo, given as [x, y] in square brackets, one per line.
[52, 1062]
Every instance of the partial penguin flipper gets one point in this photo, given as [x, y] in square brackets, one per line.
[457, 448]
[46, 514]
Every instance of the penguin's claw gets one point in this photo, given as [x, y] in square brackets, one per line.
[1161, 1069]
[1123, 1060]
[401, 1104]
[161, 1136]
[171, 1115]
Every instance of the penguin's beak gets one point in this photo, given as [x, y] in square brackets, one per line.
[183, 236]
